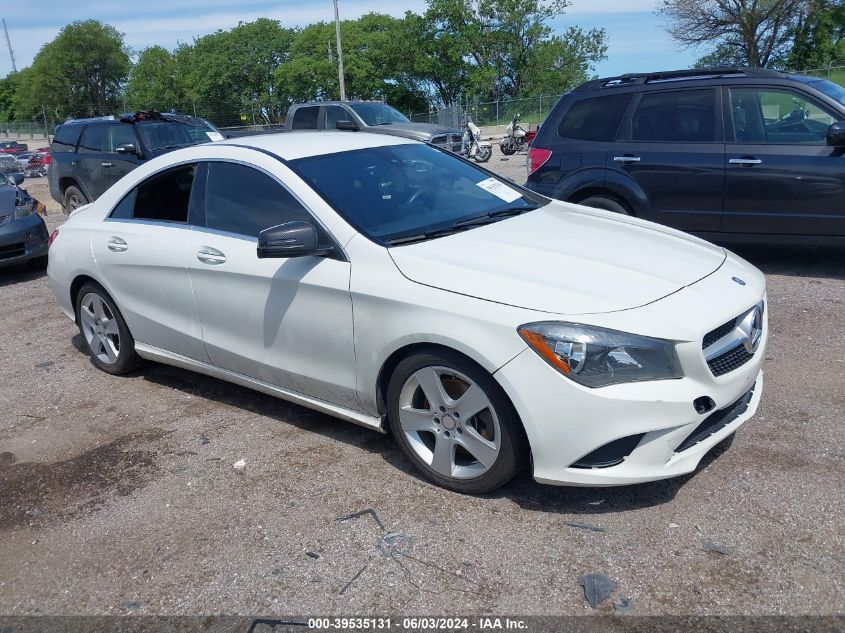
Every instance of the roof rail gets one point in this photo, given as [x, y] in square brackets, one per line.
[678, 75]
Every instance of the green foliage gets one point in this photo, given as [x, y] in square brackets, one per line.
[81, 72]
[8, 89]
[819, 36]
[155, 83]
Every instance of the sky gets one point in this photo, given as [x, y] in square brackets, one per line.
[636, 39]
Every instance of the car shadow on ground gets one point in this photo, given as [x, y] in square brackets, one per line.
[523, 490]
[797, 261]
[20, 274]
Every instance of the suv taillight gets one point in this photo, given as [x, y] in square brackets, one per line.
[52, 238]
[537, 158]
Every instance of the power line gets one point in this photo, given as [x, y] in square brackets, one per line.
[9, 44]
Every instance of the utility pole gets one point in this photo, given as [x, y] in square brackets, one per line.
[339, 53]
[12, 53]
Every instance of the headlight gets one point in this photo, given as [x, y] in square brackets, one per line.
[23, 208]
[597, 357]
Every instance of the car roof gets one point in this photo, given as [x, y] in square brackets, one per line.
[674, 76]
[293, 145]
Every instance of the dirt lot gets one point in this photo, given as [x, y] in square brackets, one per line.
[119, 495]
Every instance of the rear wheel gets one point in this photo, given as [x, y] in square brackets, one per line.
[483, 154]
[454, 422]
[605, 202]
[74, 198]
[106, 335]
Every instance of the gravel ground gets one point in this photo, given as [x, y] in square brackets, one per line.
[119, 494]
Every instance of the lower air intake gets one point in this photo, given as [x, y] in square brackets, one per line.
[610, 454]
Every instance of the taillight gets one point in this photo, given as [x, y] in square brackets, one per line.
[537, 158]
[52, 238]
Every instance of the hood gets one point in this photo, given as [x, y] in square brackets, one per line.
[563, 259]
[8, 195]
[416, 131]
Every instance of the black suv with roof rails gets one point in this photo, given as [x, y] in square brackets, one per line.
[90, 155]
[729, 154]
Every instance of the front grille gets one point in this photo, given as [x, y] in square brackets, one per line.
[452, 142]
[714, 335]
[729, 361]
[12, 250]
[717, 421]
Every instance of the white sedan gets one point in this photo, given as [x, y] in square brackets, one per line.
[394, 285]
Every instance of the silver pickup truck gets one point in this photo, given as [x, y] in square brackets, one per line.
[368, 116]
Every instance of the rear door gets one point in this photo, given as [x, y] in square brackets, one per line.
[115, 166]
[782, 176]
[672, 146]
[90, 158]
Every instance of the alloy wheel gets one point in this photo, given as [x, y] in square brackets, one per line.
[449, 422]
[100, 328]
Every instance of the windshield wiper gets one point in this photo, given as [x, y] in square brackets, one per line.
[493, 216]
[427, 235]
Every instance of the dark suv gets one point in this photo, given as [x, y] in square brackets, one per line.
[90, 155]
[731, 154]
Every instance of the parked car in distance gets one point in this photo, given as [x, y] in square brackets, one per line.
[23, 233]
[45, 152]
[729, 154]
[492, 327]
[369, 116]
[89, 155]
[36, 166]
[12, 147]
[23, 157]
[9, 165]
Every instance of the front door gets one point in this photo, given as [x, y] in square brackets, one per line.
[782, 176]
[287, 322]
[675, 153]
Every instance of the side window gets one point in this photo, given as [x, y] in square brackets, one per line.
[120, 134]
[164, 197]
[595, 119]
[684, 116]
[335, 114]
[93, 139]
[778, 117]
[306, 118]
[66, 138]
[267, 204]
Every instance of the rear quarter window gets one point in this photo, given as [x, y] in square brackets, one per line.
[66, 138]
[595, 118]
[306, 118]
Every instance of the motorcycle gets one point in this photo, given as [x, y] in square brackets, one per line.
[472, 146]
[516, 138]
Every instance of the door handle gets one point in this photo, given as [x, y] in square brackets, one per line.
[627, 159]
[745, 161]
[208, 255]
[107, 164]
[116, 244]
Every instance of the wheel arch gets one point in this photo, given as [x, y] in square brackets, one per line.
[589, 192]
[76, 285]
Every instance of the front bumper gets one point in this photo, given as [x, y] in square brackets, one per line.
[22, 240]
[566, 422]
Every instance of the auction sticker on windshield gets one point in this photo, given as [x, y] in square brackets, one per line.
[499, 189]
[214, 136]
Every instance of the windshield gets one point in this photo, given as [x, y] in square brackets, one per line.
[173, 134]
[378, 113]
[404, 193]
[832, 90]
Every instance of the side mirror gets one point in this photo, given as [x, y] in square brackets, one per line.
[17, 178]
[347, 126]
[836, 134]
[126, 149]
[292, 239]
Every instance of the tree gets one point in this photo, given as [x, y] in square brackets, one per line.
[81, 72]
[507, 41]
[744, 32]
[819, 36]
[155, 83]
[8, 89]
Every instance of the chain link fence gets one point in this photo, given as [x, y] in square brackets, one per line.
[531, 110]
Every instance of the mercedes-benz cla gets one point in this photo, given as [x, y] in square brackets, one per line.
[397, 286]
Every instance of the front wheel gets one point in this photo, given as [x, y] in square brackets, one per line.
[507, 149]
[483, 154]
[454, 422]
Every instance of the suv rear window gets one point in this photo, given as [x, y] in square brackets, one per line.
[595, 118]
[681, 116]
[66, 137]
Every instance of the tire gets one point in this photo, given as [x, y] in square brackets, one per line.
[483, 154]
[606, 203]
[506, 148]
[472, 453]
[73, 199]
[106, 335]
